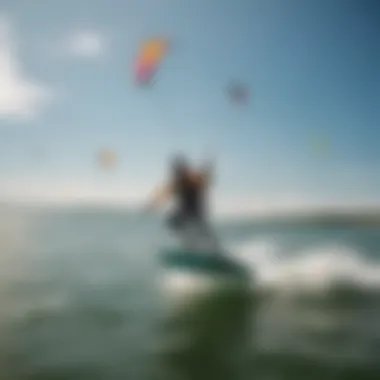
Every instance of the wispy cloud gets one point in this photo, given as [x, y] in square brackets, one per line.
[86, 44]
[20, 96]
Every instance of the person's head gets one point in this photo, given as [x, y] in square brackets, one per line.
[179, 166]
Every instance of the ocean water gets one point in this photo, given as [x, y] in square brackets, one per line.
[80, 299]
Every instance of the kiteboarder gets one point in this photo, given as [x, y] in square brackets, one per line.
[188, 188]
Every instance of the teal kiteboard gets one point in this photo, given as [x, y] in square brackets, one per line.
[206, 263]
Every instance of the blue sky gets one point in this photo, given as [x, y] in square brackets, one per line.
[312, 68]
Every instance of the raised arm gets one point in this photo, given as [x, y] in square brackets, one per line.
[160, 196]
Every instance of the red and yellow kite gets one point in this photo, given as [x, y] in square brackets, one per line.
[151, 55]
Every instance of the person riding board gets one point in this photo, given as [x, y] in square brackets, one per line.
[188, 188]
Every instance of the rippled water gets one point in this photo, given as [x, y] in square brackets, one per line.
[80, 299]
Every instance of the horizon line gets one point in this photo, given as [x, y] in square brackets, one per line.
[253, 210]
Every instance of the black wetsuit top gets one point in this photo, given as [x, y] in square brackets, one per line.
[189, 203]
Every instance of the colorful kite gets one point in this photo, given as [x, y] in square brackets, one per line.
[107, 159]
[238, 93]
[151, 55]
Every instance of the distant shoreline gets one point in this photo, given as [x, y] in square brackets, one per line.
[315, 217]
[319, 219]
[308, 217]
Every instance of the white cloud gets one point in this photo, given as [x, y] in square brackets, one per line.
[20, 96]
[86, 44]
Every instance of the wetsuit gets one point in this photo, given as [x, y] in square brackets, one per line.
[190, 204]
[190, 212]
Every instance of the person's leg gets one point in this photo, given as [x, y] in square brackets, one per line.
[179, 224]
[210, 236]
[189, 239]
[174, 221]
